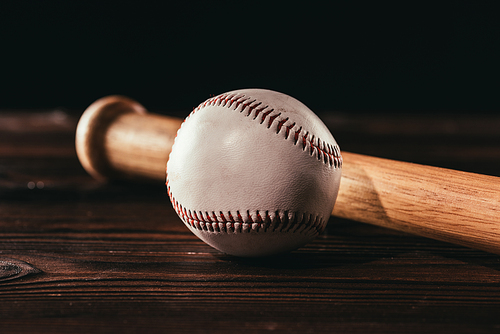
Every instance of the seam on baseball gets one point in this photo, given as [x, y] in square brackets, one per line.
[326, 152]
[236, 222]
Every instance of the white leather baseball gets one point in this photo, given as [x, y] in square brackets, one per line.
[254, 172]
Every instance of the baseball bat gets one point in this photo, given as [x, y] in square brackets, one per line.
[117, 138]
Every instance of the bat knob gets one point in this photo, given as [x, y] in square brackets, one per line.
[93, 129]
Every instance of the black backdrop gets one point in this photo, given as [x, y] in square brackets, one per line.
[333, 55]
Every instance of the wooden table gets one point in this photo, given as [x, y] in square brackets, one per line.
[77, 256]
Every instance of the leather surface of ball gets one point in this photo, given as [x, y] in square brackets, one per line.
[254, 172]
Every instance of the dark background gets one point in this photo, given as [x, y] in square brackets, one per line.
[406, 56]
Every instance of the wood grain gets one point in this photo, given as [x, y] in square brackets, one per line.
[114, 257]
[444, 204]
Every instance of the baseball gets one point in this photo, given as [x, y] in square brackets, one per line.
[254, 172]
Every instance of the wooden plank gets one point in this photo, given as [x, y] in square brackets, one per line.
[80, 256]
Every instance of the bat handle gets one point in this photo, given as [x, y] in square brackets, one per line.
[117, 138]
[443, 204]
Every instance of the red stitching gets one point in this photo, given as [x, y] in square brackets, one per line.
[250, 219]
[264, 221]
[331, 153]
[213, 223]
[264, 115]
[296, 138]
[257, 111]
[271, 120]
[280, 125]
[251, 108]
[304, 140]
[222, 216]
[288, 128]
[311, 144]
